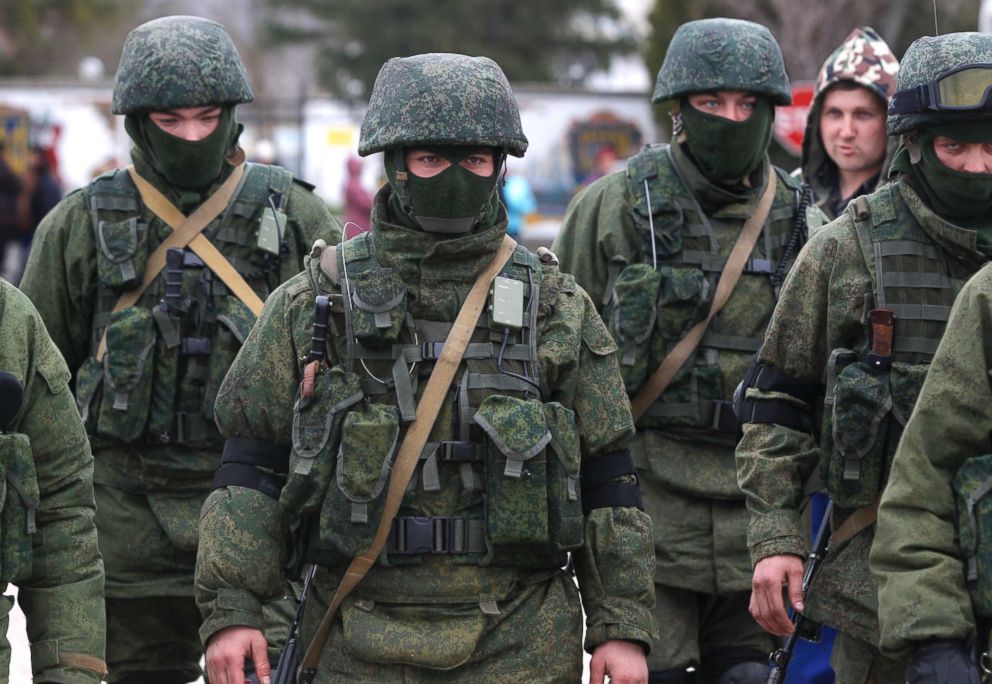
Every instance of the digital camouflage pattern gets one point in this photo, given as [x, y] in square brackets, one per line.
[723, 54]
[920, 566]
[179, 62]
[863, 58]
[821, 309]
[244, 533]
[60, 573]
[686, 468]
[441, 99]
[926, 59]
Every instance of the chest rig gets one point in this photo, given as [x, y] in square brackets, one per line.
[167, 355]
[654, 299]
[868, 400]
[499, 488]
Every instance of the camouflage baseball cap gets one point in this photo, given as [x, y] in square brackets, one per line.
[179, 62]
[723, 54]
[929, 58]
[441, 99]
[864, 58]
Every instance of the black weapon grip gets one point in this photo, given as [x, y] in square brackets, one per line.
[11, 398]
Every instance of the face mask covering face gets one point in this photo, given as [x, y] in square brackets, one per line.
[726, 151]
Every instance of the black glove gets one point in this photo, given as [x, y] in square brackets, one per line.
[943, 661]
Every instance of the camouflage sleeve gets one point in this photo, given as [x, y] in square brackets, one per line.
[63, 597]
[243, 534]
[309, 219]
[819, 309]
[615, 566]
[915, 556]
[60, 278]
[598, 226]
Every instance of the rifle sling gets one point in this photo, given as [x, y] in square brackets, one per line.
[861, 519]
[187, 232]
[413, 444]
[673, 362]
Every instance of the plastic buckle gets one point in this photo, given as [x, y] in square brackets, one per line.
[431, 351]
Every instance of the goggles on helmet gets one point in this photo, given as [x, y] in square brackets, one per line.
[961, 89]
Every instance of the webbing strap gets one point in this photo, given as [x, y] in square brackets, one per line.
[914, 279]
[187, 231]
[921, 312]
[409, 452]
[676, 358]
[861, 519]
[906, 248]
[916, 345]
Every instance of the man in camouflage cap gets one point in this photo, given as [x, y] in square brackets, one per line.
[845, 145]
[524, 466]
[49, 546]
[932, 548]
[650, 244]
[846, 353]
[148, 280]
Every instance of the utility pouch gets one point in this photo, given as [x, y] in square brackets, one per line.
[234, 322]
[19, 499]
[355, 500]
[565, 518]
[631, 314]
[128, 368]
[862, 402]
[683, 300]
[378, 307]
[516, 470]
[121, 255]
[972, 487]
[316, 435]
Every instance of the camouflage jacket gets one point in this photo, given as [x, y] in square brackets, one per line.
[578, 370]
[63, 281]
[57, 568]
[823, 308]
[916, 557]
[606, 225]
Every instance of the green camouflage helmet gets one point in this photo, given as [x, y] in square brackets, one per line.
[179, 62]
[723, 54]
[441, 99]
[929, 57]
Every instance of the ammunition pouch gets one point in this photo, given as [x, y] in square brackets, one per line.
[378, 307]
[972, 486]
[19, 500]
[121, 255]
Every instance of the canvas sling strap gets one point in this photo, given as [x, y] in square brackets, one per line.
[676, 358]
[861, 519]
[411, 448]
[187, 232]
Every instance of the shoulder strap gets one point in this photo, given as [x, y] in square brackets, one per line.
[187, 231]
[676, 358]
[409, 451]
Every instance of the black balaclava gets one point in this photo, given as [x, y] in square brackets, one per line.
[451, 203]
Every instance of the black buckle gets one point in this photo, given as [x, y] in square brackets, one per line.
[431, 351]
[415, 535]
[195, 346]
[458, 452]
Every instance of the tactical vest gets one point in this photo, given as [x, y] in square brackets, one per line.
[867, 404]
[502, 491]
[167, 355]
[652, 302]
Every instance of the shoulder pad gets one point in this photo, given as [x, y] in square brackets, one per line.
[644, 164]
[309, 187]
[790, 181]
[329, 263]
[547, 256]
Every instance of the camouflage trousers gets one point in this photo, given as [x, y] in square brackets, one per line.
[535, 637]
[857, 662]
[148, 542]
[704, 630]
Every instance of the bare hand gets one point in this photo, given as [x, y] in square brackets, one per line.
[227, 651]
[623, 661]
[766, 592]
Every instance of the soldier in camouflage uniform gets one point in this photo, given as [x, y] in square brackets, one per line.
[848, 348]
[844, 147]
[146, 375]
[524, 465]
[649, 245]
[49, 547]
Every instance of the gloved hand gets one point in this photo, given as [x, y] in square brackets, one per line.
[943, 661]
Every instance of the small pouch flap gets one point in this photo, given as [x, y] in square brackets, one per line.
[368, 442]
[862, 400]
[565, 437]
[130, 340]
[516, 427]
[635, 302]
[121, 255]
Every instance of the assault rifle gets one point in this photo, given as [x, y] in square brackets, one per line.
[289, 661]
[781, 657]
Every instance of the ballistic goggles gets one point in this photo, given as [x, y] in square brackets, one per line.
[959, 90]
